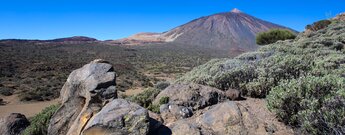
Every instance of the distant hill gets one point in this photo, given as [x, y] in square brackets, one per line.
[67, 39]
[233, 30]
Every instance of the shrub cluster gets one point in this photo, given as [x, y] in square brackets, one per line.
[39, 123]
[273, 36]
[146, 98]
[316, 104]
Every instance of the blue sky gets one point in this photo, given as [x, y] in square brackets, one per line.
[113, 19]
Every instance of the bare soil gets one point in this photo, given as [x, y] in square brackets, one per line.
[29, 109]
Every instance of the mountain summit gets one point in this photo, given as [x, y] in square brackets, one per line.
[235, 10]
[234, 31]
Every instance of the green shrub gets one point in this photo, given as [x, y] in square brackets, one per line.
[222, 74]
[163, 100]
[273, 36]
[154, 108]
[316, 104]
[39, 123]
[145, 98]
[318, 25]
[274, 69]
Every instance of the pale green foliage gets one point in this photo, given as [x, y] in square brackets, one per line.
[255, 73]
[314, 103]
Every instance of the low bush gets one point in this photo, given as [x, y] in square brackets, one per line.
[154, 108]
[273, 36]
[145, 98]
[39, 123]
[163, 100]
[316, 104]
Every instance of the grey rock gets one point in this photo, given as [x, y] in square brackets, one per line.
[13, 124]
[119, 117]
[83, 95]
[175, 112]
[228, 118]
[185, 128]
[193, 96]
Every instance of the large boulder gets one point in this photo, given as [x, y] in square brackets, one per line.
[220, 119]
[195, 96]
[13, 124]
[228, 118]
[119, 117]
[84, 94]
[186, 98]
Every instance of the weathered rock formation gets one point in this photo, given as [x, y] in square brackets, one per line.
[119, 117]
[186, 98]
[223, 118]
[83, 95]
[13, 124]
[194, 96]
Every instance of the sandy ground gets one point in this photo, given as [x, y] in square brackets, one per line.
[29, 109]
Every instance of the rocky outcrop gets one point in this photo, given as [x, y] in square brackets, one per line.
[194, 96]
[83, 95]
[119, 117]
[224, 118]
[13, 124]
[234, 119]
[186, 98]
[90, 106]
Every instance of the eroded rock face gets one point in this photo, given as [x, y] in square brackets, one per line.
[83, 95]
[119, 117]
[13, 124]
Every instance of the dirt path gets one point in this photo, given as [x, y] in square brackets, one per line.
[259, 109]
[14, 105]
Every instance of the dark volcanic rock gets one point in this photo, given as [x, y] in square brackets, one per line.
[13, 124]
